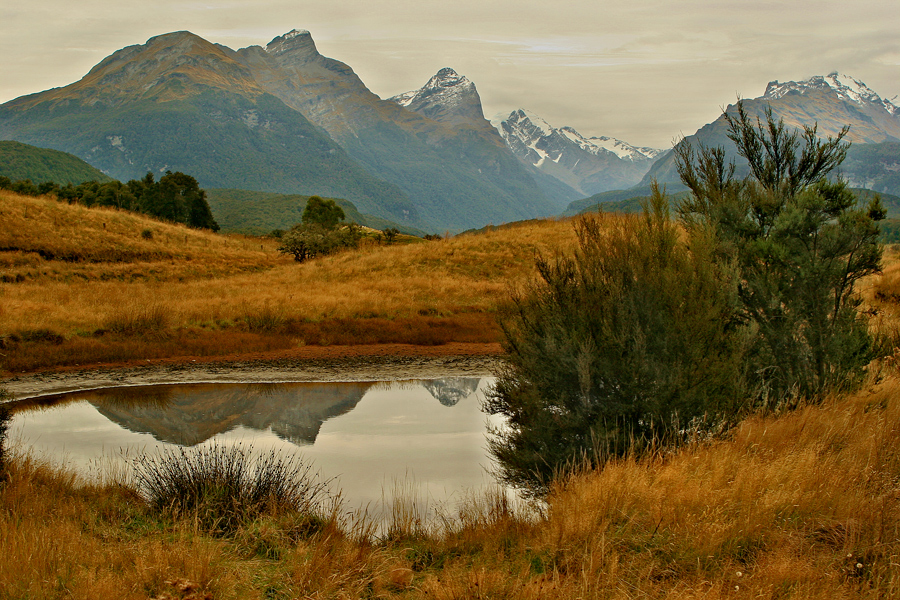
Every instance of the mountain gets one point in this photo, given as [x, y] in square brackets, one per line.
[448, 97]
[874, 166]
[20, 161]
[829, 102]
[181, 103]
[459, 174]
[587, 165]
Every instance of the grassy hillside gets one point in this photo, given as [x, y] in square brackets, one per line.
[21, 161]
[259, 213]
[82, 285]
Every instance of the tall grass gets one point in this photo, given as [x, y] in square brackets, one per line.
[223, 487]
[133, 319]
[5, 418]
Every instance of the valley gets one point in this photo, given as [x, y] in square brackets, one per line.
[392, 355]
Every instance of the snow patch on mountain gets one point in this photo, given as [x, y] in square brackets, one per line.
[448, 97]
[845, 87]
[530, 129]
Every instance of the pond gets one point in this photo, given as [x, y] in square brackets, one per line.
[424, 438]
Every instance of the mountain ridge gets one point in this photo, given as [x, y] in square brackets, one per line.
[277, 119]
[826, 102]
[587, 165]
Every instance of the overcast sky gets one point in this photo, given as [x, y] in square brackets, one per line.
[644, 71]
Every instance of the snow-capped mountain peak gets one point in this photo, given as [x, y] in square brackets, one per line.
[845, 87]
[446, 78]
[448, 97]
[587, 164]
[528, 127]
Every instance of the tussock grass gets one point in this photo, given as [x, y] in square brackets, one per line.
[91, 277]
[222, 487]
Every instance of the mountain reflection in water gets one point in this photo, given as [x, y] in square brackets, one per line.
[192, 414]
[369, 435]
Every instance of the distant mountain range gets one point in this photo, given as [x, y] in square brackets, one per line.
[588, 165]
[830, 102]
[283, 119]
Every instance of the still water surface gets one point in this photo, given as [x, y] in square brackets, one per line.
[372, 438]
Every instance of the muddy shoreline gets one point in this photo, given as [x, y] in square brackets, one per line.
[390, 362]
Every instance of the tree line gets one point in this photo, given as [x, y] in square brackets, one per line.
[175, 197]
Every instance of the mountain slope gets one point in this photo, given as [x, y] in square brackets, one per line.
[830, 102]
[458, 173]
[20, 161]
[181, 103]
[588, 165]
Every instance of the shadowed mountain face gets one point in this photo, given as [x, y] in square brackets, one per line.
[191, 414]
[829, 102]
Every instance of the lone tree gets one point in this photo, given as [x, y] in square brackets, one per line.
[318, 233]
[325, 213]
[799, 244]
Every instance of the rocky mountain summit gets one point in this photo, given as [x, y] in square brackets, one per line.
[588, 164]
[843, 86]
[448, 97]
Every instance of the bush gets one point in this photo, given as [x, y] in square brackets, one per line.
[619, 348]
[800, 246]
[225, 487]
[307, 241]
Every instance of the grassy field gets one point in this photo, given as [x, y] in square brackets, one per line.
[804, 504]
[83, 286]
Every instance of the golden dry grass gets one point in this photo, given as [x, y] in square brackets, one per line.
[83, 285]
[804, 504]
[800, 505]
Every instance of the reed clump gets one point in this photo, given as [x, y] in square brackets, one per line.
[223, 487]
